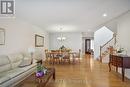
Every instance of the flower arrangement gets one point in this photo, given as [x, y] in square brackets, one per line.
[41, 70]
[63, 48]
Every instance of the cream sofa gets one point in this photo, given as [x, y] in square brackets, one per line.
[10, 72]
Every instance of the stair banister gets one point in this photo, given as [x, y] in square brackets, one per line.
[101, 47]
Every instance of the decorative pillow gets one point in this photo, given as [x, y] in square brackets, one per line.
[25, 62]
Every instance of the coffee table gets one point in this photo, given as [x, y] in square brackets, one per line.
[33, 81]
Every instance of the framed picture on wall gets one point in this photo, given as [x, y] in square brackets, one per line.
[39, 41]
[2, 36]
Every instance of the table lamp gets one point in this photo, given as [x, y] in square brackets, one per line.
[31, 50]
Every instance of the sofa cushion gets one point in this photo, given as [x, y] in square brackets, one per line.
[16, 64]
[37, 55]
[26, 54]
[15, 59]
[4, 64]
[29, 67]
[4, 60]
[17, 71]
[14, 72]
[4, 79]
[25, 62]
[9, 69]
[5, 68]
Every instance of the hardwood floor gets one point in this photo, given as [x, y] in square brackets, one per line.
[87, 73]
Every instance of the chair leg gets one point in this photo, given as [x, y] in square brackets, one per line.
[62, 61]
[53, 61]
[79, 60]
[58, 61]
[69, 61]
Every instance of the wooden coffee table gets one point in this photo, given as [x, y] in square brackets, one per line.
[33, 81]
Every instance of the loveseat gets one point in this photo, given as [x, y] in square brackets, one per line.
[11, 71]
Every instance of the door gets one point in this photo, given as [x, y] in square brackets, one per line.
[87, 46]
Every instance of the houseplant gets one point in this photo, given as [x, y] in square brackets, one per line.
[41, 70]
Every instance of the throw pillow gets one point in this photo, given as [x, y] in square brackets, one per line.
[25, 62]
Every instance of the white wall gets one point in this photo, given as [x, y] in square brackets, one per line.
[73, 41]
[20, 36]
[88, 34]
[123, 35]
[101, 36]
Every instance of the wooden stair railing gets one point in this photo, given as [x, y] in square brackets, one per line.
[111, 49]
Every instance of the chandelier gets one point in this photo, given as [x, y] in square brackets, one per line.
[61, 37]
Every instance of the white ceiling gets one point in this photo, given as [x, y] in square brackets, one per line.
[72, 15]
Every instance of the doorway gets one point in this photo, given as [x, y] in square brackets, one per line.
[87, 46]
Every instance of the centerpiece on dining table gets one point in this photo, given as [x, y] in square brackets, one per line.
[64, 49]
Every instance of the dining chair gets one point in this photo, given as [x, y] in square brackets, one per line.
[56, 58]
[47, 55]
[66, 57]
[76, 56]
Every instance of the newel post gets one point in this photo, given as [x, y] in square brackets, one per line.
[100, 53]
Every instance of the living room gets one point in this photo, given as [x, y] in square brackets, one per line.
[68, 24]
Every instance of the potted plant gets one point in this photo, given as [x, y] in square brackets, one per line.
[39, 72]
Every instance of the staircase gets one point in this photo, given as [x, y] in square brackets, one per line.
[107, 48]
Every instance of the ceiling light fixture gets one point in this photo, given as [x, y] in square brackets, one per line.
[61, 37]
[104, 15]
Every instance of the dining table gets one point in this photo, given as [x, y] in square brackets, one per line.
[59, 55]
